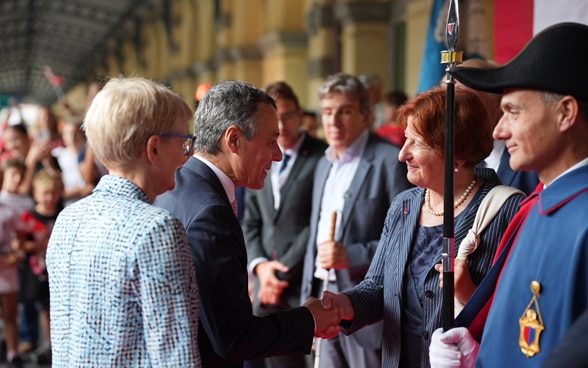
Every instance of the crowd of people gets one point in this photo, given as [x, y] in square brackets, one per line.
[236, 236]
[40, 173]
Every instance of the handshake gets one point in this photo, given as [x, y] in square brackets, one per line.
[330, 313]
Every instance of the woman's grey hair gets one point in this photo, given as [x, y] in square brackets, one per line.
[126, 112]
[226, 104]
[349, 86]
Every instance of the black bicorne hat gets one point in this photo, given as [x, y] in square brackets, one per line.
[555, 60]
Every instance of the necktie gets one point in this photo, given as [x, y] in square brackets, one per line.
[235, 206]
[284, 164]
[282, 171]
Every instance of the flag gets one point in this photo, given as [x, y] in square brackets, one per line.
[431, 68]
[472, 38]
[54, 80]
[516, 22]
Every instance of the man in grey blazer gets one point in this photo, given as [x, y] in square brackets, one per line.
[276, 220]
[357, 178]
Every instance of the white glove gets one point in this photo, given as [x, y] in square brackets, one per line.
[455, 348]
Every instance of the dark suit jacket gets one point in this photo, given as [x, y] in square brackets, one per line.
[524, 180]
[228, 332]
[378, 179]
[283, 234]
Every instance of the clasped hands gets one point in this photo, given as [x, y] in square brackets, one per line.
[328, 313]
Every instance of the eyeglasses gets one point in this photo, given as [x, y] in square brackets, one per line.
[188, 144]
[288, 116]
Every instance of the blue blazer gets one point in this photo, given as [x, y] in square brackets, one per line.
[228, 333]
[378, 179]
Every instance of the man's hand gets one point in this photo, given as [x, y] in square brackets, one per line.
[270, 286]
[338, 301]
[326, 320]
[332, 255]
[454, 348]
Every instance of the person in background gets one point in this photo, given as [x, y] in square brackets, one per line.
[236, 128]
[499, 157]
[69, 157]
[46, 128]
[13, 171]
[276, 221]
[391, 130]
[35, 228]
[123, 287]
[402, 285]
[373, 84]
[10, 257]
[90, 167]
[310, 123]
[545, 126]
[15, 142]
[35, 154]
[357, 178]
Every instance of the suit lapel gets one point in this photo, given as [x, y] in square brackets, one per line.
[299, 164]
[364, 167]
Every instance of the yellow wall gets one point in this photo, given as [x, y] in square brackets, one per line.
[262, 41]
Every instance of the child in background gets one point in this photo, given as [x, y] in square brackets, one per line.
[36, 155]
[10, 257]
[36, 229]
[14, 170]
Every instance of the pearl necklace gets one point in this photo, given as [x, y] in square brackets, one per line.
[457, 203]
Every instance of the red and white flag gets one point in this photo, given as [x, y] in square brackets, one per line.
[54, 80]
[516, 22]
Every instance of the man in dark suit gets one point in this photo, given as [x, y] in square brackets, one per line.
[357, 178]
[236, 128]
[276, 219]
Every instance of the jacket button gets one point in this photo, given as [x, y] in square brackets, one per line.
[426, 335]
[429, 294]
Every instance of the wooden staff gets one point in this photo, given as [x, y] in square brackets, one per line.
[317, 342]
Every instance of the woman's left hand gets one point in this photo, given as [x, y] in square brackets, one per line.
[464, 286]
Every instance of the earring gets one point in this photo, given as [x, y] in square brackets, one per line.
[456, 169]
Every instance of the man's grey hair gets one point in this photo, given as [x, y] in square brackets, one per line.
[349, 86]
[226, 104]
[552, 97]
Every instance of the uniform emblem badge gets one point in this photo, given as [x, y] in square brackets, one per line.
[531, 324]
